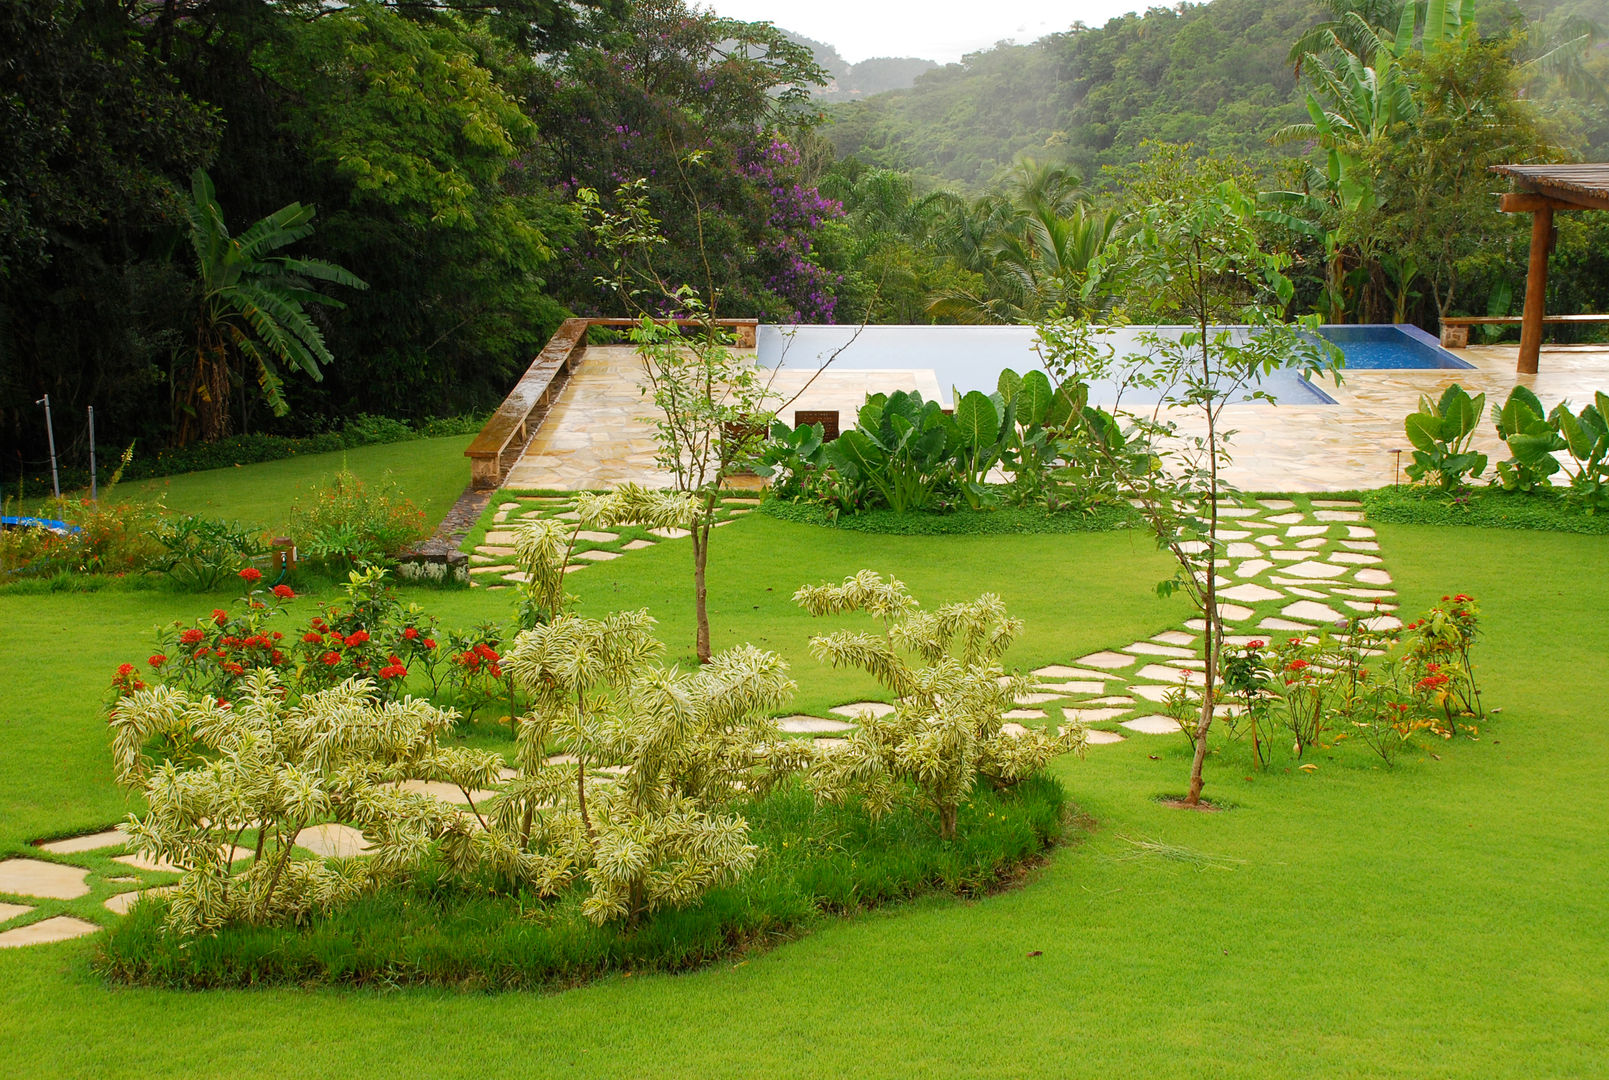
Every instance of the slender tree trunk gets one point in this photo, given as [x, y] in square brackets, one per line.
[701, 551]
[1209, 594]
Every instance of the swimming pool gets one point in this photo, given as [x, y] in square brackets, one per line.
[1390, 347]
[971, 357]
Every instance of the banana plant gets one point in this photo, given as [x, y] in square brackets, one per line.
[1441, 433]
[1586, 438]
[1532, 439]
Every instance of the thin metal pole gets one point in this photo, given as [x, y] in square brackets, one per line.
[50, 434]
[94, 493]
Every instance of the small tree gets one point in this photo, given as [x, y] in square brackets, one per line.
[714, 409]
[1194, 255]
[946, 727]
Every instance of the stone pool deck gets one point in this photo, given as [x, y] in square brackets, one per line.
[598, 434]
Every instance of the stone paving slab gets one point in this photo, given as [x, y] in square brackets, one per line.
[35, 877]
[1153, 725]
[11, 911]
[59, 928]
[1111, 660]
[855, 708]
[333, 841]
[811, 725]
[1097, 737]
[1075, 688]
[141, 861]
[1062, 671]
[114, 837]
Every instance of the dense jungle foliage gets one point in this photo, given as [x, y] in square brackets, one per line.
[225, 217]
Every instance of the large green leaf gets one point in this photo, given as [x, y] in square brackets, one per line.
[976, 421]
[1424, 430]
[1033, 398]
[1007, 385]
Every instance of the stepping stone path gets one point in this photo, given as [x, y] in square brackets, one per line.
[492, 563]
[1118, 690]
[1293, 566]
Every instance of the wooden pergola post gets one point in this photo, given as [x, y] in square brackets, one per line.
[1544, 189]
[1536, 289]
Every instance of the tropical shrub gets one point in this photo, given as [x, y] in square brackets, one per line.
[946, 728]
[348, 523]
[199, 554]
[1532, 440]
[259, 770]
[1441, 432]
[1586, 439]
[211, 657]
[900, 452]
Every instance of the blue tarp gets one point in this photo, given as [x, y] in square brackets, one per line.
[10, 522]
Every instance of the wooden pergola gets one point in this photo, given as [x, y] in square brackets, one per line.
[1542, 189]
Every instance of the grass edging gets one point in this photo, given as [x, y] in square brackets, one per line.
[1003, 520]
[815, 862]
[1492, 508]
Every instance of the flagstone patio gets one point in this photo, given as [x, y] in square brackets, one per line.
[598, 434]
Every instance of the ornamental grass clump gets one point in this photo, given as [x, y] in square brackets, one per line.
[946, 728]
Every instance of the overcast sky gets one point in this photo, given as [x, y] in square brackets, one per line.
[941, 30]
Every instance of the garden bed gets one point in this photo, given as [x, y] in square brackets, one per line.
[999, 521]
[815, 862]
[1543, 510]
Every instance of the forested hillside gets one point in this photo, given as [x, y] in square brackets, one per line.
[1219, 75]
[227, 216]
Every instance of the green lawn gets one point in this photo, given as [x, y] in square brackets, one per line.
[433, 473]
[1443, 919]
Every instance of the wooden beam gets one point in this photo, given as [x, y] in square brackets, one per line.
[1536, 288]
[1525, 202]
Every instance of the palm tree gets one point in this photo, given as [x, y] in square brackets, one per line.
[251, 309]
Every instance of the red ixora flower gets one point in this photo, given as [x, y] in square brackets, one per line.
[410, 633]
[331, 658]
[125, 670]
[234, 668]
[357, 637]
[393, 671]
[1296, 665]
[284, 592]
[312, 638]
[251, 575]
[1256, 644]
[430, 643]
[193, 636]
[220, 616]
[158, 660]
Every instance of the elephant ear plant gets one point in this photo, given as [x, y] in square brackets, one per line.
[1532, 441]
[900, 449]
[946, 728]
[1586, 437]
[1441, 433]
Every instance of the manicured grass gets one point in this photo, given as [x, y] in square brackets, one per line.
[1443, 919]
[431, 472]
[1545, 511]
[812, 860]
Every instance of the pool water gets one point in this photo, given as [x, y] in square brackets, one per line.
[1384, 347]
[965, 358]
